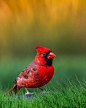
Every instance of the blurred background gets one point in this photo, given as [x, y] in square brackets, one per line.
[57, 24]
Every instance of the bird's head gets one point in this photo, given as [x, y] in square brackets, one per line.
[44, 56]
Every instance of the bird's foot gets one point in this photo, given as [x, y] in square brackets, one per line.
[43, 91]
[28, 93]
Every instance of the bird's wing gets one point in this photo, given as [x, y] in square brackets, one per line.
[29, 72]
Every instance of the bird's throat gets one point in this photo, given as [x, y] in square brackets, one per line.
[49, 62]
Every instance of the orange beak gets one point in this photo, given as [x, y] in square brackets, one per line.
[51, 55]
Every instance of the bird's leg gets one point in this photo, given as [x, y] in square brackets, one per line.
[42, 90]
[28, 93]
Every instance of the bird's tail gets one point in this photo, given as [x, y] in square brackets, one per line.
[13, 89]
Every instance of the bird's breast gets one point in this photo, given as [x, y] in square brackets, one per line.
[45, 75]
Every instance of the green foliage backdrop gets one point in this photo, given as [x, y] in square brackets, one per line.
[59, 25]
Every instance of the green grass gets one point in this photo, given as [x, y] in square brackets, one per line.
[67, 87]
[72, 96]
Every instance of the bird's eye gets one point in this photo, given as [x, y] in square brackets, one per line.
[44, 54]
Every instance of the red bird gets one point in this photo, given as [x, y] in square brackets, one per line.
[37, 73]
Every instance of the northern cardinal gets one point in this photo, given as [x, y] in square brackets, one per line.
[38, 73]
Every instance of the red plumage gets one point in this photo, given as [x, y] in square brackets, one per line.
[37, 73]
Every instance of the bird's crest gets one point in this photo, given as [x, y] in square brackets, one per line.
[42, 49]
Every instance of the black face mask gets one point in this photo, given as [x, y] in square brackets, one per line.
[48, 61]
